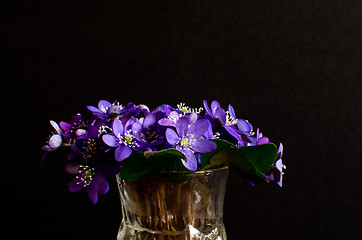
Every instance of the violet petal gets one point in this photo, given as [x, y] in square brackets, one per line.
[203, 146]
[207, 109]
[117, 127]
[214, 106]
[221, 115]
[150, 120]
[110, 140]
[103, 105]
[231, 111]
[244, 126]
[166, 122]
[171, 136]
[92, 193]
[122, 152]
[137, 130]
[191, 160]
[75, 185]
[181, 126]
[100, 184]
[262, 140]
[198, 128]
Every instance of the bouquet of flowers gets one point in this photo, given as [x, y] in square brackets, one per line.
[134, 141]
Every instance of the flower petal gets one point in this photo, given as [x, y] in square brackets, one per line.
[92, 132]
[203, 146]
[207, 109]
[150, 120]
[103, 105]
[122, 152]
[110, 140]
[100, 184]
[220, 114]
[65, 126]
[280, 151]
[75, 185]
[193, 118]
[231, 111]
[96, 111]
[262, 140]
[198, 128]
[244, 126]
[215, 105]
[55, 126]
[233, 133]
[191, 160]
[92, 193]
[137, 129]
[166, 122]
[171, 136]
[72, 168]
[117, 127]
[181, 126]
[55, 141]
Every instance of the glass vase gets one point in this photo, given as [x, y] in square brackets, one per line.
[175, 206]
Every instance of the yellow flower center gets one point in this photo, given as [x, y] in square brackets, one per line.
[184, 142]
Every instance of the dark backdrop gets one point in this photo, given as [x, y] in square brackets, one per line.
[292, 68]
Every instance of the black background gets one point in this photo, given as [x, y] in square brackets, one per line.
[292, 68]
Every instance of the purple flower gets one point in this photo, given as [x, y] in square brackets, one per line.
[259, 138]
[91, 178]
[275, 173]
[88, 147]
[122, 139]
[170, 120]
[279, 165]
[148, 132]
[107, 110]
[55, 140]
[187, 139]
[222, 119]
[75, 128]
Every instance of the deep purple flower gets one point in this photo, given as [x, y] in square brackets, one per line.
[55, 140]
[123, 139]
[77, 127]
[187, 139]
[148, 132]
[91, 178]
[89, 147]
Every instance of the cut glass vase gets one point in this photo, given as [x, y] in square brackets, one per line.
[175, 206]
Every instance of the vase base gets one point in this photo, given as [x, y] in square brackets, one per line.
[191, 233]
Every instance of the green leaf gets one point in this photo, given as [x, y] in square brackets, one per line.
[205, 157]
[247, 161]
[261, 156]
[141, 164]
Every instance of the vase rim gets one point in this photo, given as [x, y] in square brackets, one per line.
[197, 172]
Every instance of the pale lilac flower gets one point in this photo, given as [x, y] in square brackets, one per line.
[55, 140]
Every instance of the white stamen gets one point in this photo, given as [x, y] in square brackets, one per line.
[230, 120]
[186, 109]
